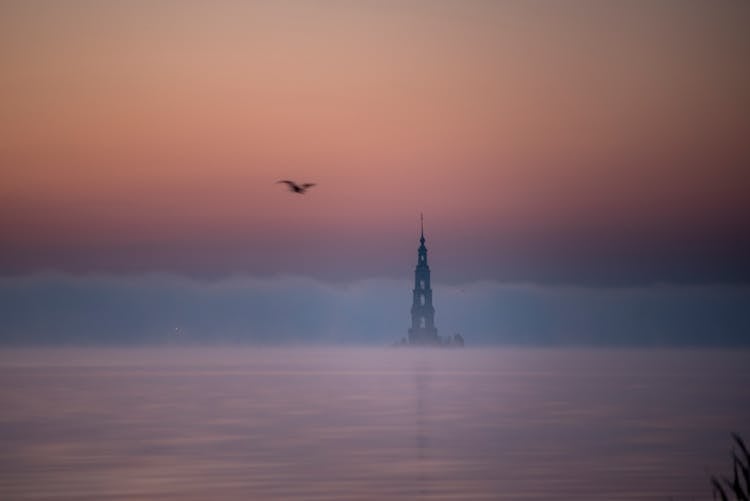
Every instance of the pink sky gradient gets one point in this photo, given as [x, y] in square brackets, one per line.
[146, 136]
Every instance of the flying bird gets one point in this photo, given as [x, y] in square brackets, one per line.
[296, 188]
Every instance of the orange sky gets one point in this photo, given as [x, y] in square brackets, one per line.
[162, 126]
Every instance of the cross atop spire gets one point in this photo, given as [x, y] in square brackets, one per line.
[421, 225]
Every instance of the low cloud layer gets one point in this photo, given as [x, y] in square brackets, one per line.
[158, 309]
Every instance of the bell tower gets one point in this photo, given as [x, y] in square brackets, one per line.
[422, 329]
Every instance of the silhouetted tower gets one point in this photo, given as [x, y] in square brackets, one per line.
[423, 329]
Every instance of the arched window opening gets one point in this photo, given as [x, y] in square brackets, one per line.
[421, 284]
[422, 323]
[421, 299]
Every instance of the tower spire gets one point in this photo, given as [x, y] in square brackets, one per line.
[423, 330]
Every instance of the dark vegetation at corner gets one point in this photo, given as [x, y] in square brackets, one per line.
[738, 488]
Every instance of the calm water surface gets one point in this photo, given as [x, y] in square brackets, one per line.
[355, 424]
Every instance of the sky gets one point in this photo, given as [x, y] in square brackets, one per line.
[597, 147]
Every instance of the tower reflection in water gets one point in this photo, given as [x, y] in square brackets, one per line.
[422, 427]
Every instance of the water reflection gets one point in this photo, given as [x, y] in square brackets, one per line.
[422, 386]
[363, 424]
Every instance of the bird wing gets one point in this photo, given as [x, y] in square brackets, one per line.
[308, 185]
[292, 185]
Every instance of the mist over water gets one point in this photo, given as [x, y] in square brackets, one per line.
[105, 310]
[366, 423]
